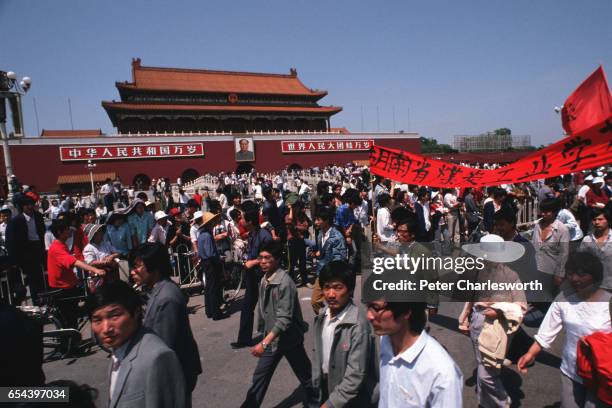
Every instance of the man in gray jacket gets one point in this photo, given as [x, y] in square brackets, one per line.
[280, 319]
[345, 366]
[144, 372]
[166, 309]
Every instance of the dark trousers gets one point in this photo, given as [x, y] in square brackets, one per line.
[300, 364]
[297, 255]
[251, 295]
[68, 304]
[108, 202]
[213, 292]
[31, 266]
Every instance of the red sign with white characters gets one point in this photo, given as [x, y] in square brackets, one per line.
[317, 146]
[122, 152]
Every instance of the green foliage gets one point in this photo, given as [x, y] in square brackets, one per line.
[503, 132]
[430, 145]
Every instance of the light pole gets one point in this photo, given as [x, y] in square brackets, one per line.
[91, 166]
[10, 88]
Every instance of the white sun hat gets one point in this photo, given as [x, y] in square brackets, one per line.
[159, 215]
[493, 248]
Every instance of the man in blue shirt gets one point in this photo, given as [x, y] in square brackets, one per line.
[211, 266]
[257, 237]
[141, 223]
[350, 228]
[331, 246]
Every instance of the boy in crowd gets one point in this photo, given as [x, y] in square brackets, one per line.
[330, 247]
[345, 366]
[280, 319]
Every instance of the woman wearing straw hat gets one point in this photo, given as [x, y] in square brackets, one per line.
[211, 266]
[491, 316]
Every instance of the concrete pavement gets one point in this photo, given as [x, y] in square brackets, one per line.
[227, 373]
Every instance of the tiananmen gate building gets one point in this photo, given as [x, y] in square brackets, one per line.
[174, 122]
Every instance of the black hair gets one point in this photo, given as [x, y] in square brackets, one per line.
[251, 212]
[154, 256]
[325, 213]
[351, 196]
[266, 191]
[143, 196]
[337, 271]
[422, 192]
[418, 317]
[234, 214]
[235, 195]
[59, 226]
[400, 213]
[219, 190]
[499, 193]
[275, 249]
[192, 203]
[596, 212]
[322, 187]
[384, 199]
[116, 292]
[505, 214]
[214, 206]
[585, 262]
[411, 222]
[550, 204]
[327, 198]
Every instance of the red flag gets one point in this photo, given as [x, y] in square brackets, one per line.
[589, 104]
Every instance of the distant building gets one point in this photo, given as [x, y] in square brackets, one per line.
[175, 122]
[490, 142]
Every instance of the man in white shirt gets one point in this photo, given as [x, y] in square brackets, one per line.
[452, 217]
[160, 230]
[415, 370]
[53, 210]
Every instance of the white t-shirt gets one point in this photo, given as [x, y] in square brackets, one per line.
[304, 188]
[383, 225]
[579, 319]
[257, 191]
[583, 192]
[194, 233]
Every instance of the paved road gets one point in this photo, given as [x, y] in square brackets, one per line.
[227, 372]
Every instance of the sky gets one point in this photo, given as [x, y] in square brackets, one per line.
[439, 68]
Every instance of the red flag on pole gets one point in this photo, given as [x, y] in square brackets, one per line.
[588, 105]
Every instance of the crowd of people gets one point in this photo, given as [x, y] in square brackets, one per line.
[286, 234]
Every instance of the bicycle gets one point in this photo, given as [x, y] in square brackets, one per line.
[233, 277]
[57, 338]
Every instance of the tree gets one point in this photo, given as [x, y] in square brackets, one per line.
[503, 132]
[430, 145]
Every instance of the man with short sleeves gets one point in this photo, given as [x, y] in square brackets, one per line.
[60, 265]
[415, 370]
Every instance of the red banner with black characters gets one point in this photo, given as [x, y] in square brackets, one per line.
[590, 149]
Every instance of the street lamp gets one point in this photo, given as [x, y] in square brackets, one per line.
[12, 90]
[91, 166]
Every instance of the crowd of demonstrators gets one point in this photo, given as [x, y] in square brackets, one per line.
[287, 235]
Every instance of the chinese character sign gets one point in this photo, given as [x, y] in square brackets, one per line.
[317, 146]
[123, 152]
[590, 149]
